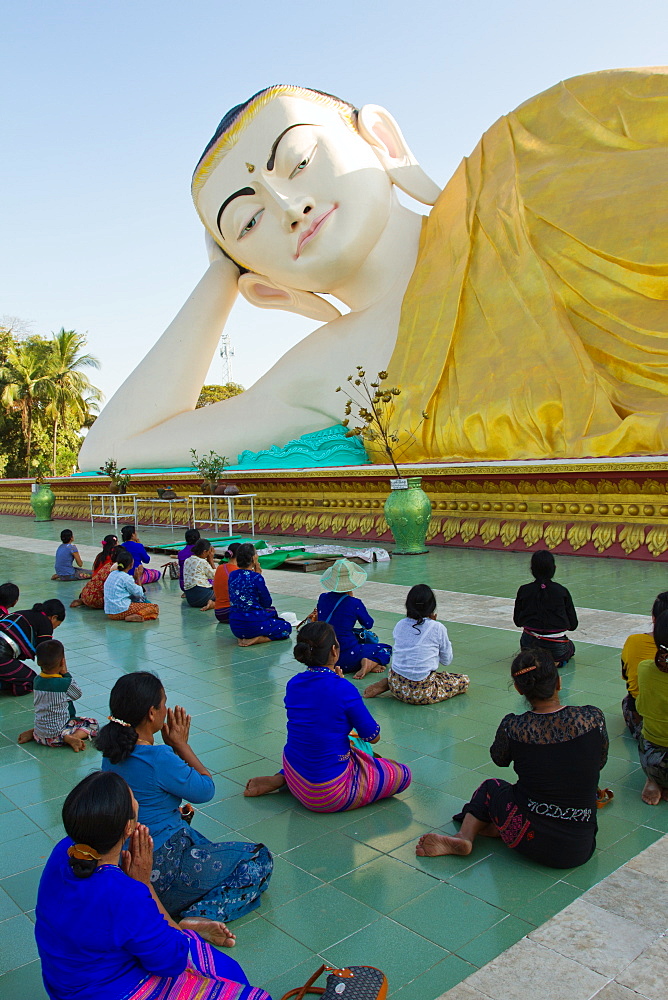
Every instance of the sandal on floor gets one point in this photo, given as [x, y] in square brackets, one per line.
[603, 796]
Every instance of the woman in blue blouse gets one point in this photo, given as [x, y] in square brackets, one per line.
[321, 767]
[343, 612]
[253, 618]
[196, 880]
[102, 933]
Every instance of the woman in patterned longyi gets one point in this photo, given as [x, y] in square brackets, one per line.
[549, 814]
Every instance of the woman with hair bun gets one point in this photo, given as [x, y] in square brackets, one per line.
[421, 643]
[20, 634]
[557, 751]
[124, 600]
[92, 595]
[199, 882]
[101, 931]
[652, 704]
[321, 767]
[544, 611]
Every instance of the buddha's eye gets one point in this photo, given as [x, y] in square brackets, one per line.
[303, 164]
[251, 224]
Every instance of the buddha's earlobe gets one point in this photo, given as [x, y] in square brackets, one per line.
[267, 294]
[382, 132]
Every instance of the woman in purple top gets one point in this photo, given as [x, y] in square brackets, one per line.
[131, 542]
[343, 612]
[253, 618]
[192, 536]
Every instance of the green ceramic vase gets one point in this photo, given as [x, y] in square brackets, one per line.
[42, 502]
[408, 513]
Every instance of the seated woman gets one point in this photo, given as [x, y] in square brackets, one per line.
[117, 942]
[92, 595]
[193, 877]
[198, 570]
[544, 611]
[638, 647]
[20, 634]
[124, 600]
[191, 536]
[253, 618]
[557, 751]
[321, 767]
[652, 704]
[420, 644]
[131, 542]
[343, 612]
[221, 590]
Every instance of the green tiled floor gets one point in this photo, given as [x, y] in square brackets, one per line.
[347, 888]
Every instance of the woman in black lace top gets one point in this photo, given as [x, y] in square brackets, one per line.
[557, 752]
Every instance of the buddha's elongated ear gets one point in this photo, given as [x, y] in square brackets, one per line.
[267, 294]
[381, 131]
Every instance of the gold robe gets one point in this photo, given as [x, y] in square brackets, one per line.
[535, 324]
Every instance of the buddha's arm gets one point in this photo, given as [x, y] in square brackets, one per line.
[169, 379]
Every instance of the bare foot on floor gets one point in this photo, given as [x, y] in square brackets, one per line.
[27, 736]
[76, 603]
[255, 641]
[134, 618]
[213, 931]
[379, 687]
[55, 577]
[368, 667]
[75, 742]
[208, 606]
[262, 786]
[433, 845]
[651, 793]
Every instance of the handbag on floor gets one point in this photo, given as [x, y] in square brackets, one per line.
[357, 982]
[170, 569]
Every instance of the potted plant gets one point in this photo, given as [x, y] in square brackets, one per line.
[210, 467]
[42, 497]
[120, 479]
[407, 508]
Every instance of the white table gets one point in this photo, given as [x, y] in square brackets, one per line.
[113, 507]
[225, 517]
[157, 502]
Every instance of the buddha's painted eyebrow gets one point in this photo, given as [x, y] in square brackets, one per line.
[244, 192]
[272, 155]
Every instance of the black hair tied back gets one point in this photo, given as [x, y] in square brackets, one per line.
[131, 698]
[314, 643]
[535, 674]
[95, 815]
[420, 603]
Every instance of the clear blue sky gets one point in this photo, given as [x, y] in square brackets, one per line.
[107, 105]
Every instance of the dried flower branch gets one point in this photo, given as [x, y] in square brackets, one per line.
[375, 412]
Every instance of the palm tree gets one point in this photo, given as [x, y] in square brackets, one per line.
[25, 377]
[71, 393]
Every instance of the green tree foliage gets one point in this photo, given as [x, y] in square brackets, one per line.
[45, 400]
[214, 393]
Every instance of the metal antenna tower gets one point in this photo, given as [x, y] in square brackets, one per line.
[226, 353]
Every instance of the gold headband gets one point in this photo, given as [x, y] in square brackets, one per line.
[83, 852]
[524, 671]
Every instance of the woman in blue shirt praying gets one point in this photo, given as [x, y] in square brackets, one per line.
[321, 767]
[101, 931]
[198, 882]
[253, 618]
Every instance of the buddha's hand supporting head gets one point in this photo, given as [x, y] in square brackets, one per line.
[297, 188]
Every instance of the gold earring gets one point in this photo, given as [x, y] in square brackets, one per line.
[250, 168]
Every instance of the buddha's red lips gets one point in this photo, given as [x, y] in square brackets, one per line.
[313, 229]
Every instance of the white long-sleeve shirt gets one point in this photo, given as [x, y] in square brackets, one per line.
[418, 649]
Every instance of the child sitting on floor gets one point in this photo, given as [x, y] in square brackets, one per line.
[56, 722]
[9, 595]
[420, 644]
[67, 554]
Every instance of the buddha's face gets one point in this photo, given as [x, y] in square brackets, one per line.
[314, 205]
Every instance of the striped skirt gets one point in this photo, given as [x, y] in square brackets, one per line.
[148, 612]
[366, 779]
[210, 975]
[145, 576]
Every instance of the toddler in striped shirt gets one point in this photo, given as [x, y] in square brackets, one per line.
[54, 691]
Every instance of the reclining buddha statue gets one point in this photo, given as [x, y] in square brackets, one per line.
[527, 313]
